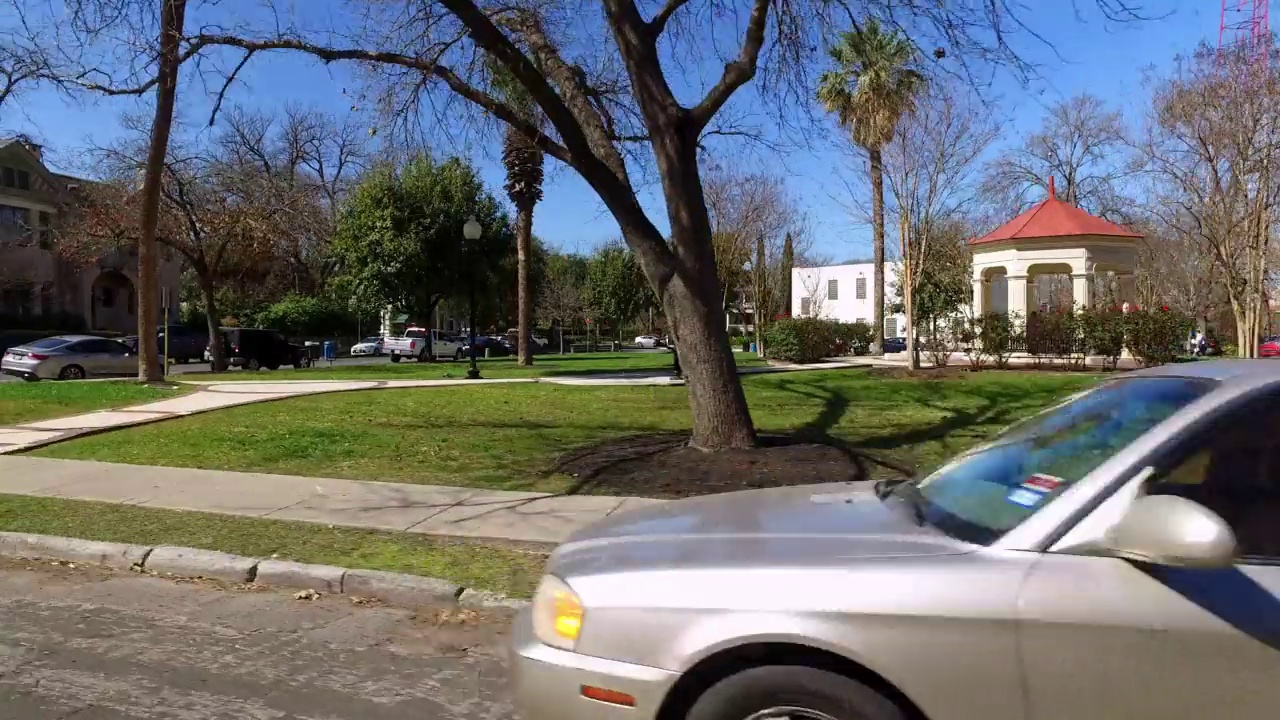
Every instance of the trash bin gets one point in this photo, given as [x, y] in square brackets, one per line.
[330, 350]
[753, 348]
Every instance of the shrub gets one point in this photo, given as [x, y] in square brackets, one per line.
[999, 334]
[1054, 335]
[1156, 337]
[852, 338]
[968, 335]
[1103, 331]
[800, 340]
[945, 339]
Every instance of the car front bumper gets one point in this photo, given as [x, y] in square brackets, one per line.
[548, 682]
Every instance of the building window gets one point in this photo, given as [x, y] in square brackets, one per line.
[833, 290]
[805, 305]
[17, 300]
[860, 288]
[15, 223]
[24, 180]
[8, 177]
[891, 327]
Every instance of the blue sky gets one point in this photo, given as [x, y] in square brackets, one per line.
[1088, 55]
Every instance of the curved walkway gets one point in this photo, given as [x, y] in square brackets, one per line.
[218, 394]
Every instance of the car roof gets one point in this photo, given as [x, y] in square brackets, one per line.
[75, 338]
[1222, 370]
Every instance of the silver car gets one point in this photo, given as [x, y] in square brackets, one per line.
[1117, 556]
[69, 357]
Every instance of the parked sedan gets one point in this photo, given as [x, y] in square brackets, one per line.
[648, 341]
[69, 357]
[1117, 556]
[368, 346]
[1269, 347]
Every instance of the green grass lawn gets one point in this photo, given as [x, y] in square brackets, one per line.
[543, 366]
[500, 568]
[509, 436]
[28, 402]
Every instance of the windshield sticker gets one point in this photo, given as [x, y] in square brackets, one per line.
[1024, 497]
[1043, 483]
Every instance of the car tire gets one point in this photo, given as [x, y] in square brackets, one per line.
[252, 364]
[273, 365]
[422, 356]
[395, 357]
[457, 356]
[71, 372]
[796, 692]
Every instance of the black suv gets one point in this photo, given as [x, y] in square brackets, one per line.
[256, 348]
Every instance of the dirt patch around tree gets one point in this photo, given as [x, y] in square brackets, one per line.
[664, 466]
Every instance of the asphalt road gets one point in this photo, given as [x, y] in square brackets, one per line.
[91, 644]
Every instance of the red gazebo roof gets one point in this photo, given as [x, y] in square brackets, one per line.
[1052, 217]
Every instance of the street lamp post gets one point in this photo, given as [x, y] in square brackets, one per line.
[471, 232]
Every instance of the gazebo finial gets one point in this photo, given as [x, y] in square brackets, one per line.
[1052, 194]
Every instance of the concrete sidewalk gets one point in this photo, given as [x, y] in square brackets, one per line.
[428, 509]
[216, 394]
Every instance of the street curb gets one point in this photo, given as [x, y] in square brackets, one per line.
[398, 588]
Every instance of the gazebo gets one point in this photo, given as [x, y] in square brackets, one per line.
[1052, 238]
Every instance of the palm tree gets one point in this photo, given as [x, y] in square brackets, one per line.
[523, 162]
[872, 85]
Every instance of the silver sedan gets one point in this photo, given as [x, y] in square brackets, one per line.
[1117, 556]
[69, 357]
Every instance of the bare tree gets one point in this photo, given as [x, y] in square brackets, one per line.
[1212, 139]
[1080, 143]
[931, 165]
[747, 209]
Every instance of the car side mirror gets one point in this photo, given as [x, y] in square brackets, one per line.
[1174, 531]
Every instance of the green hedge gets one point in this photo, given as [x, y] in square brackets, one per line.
[807, 340]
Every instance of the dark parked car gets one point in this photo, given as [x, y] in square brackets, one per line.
[497, 347]
[256, 348]
[895, 344]
[185, 343]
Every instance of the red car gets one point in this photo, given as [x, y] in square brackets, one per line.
[1269, 348]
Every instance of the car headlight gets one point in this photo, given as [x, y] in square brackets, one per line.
[557, 613]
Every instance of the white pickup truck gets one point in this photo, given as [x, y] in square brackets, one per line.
[413, 344]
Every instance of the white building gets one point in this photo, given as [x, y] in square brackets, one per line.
[845, 293]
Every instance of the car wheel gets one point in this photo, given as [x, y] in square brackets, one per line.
[252, 364]
[792, 692]
[273, 365]
[422, 356]
[71, 372]
[395, 358]
[457, 356]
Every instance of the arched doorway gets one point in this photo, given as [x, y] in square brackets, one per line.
[113, 306]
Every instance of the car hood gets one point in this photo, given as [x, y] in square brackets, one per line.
[809, 526]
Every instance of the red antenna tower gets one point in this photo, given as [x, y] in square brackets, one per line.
[1245, 27]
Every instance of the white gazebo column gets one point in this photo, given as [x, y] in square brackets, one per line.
[1017, 292]
[979, 297]
[1082, 289]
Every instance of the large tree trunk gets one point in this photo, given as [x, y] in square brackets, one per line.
[692, 298]
[172, 19]
[217, 352]
[524, 248]
[877, 240]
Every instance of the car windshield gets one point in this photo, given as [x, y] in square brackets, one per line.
[983, 494]
[372, 340]
[47, 343]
